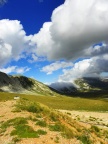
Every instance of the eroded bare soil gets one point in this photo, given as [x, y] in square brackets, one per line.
[84, 119]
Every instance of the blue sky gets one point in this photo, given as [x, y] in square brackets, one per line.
[54, 40]
[31, 13]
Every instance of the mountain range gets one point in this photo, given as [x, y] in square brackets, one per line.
[81, 86]
[84, 87]
[22, 84]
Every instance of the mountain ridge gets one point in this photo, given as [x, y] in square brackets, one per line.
[83, 87]
[22, 84]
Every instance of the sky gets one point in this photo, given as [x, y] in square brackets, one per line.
[54, 40]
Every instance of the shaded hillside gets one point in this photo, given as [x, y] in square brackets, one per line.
[64, 88]
[22, 84]
[83, 87]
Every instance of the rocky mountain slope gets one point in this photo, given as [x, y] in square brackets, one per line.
[82, 85]
[22, 84]
[87, 84]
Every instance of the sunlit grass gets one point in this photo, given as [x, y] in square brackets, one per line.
[47, 120]
[62, 102]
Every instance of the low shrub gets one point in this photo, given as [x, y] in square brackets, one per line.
[84, 139]
[41, 123]
[41, 132]
[24, 131]
[56, 127]
[95, 128]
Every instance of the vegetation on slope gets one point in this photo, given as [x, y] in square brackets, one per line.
[63, 102]
[41, 121]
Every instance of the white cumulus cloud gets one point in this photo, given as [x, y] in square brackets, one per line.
[15, 69]
[49, 69]
[76, 30]
[75, 26]
[5, 52]
[13, 40]
[92, 67]
[97, 50]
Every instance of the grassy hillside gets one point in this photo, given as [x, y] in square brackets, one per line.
[63, 102]
[28, 122]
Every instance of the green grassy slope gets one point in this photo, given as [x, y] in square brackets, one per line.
[63, 102]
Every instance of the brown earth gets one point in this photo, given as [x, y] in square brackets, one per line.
[6, 113]
[83, 119]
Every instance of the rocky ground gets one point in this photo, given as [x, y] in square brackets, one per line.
[98, 118]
